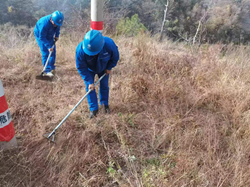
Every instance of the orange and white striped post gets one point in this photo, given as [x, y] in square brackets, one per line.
[97, 15]
[7, 131]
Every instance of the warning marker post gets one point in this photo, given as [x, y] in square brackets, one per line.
[97, 15]
[7, 131]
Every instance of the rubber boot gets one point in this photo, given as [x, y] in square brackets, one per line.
[106, 109]
[93, 113]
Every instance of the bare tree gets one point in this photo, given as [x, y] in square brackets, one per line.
[164, 20]
[198, 28]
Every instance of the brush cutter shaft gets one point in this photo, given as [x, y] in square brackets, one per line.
[53, 132]
[46, 64]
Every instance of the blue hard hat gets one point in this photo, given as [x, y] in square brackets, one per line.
[57, 18]
[93, 42]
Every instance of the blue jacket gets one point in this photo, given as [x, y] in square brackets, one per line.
[45, 31]
[106, 59]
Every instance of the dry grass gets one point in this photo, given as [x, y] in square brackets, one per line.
[180, 117]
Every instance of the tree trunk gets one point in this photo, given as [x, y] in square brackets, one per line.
[164, 20]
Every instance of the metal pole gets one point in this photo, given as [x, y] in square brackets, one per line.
[47, 60]
[53, 132]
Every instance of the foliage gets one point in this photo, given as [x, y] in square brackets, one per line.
[130, 27]
[19, 12]
[224, 21]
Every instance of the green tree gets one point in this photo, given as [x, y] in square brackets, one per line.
[130, 27]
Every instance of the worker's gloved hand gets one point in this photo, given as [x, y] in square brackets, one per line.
[51, 49]
[56, 38]
[107, 71]
[91, 87]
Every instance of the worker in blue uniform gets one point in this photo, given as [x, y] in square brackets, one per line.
[47, 31]
[96, 54]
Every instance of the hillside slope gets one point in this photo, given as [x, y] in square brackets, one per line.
[179, 117]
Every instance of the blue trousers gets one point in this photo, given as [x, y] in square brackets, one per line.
[45, 55]
[103, 92]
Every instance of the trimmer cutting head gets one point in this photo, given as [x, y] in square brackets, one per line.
[50, 137]
[44, 77]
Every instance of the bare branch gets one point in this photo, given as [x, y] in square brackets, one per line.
[180, 37]
[198, 29]
[164, 19]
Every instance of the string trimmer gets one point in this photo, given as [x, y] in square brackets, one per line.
[42, 76]
[52, 134]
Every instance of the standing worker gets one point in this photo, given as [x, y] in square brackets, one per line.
[47, 32]
[96, 54]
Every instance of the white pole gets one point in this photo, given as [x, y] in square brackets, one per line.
[97, 15]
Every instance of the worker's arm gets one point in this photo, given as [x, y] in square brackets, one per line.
[57, 33]
[43, 37]
[81, 65]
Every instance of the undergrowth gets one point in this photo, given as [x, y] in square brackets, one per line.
[179, 117]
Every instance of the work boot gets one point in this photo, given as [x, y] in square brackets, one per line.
[106, 109]
[93, 113]
[48, 74]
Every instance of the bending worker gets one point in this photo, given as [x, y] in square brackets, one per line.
[47, 31]
[96, 54]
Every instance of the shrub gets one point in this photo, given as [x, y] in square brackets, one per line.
[130, 27]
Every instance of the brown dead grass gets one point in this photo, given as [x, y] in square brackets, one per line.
[180, 117]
